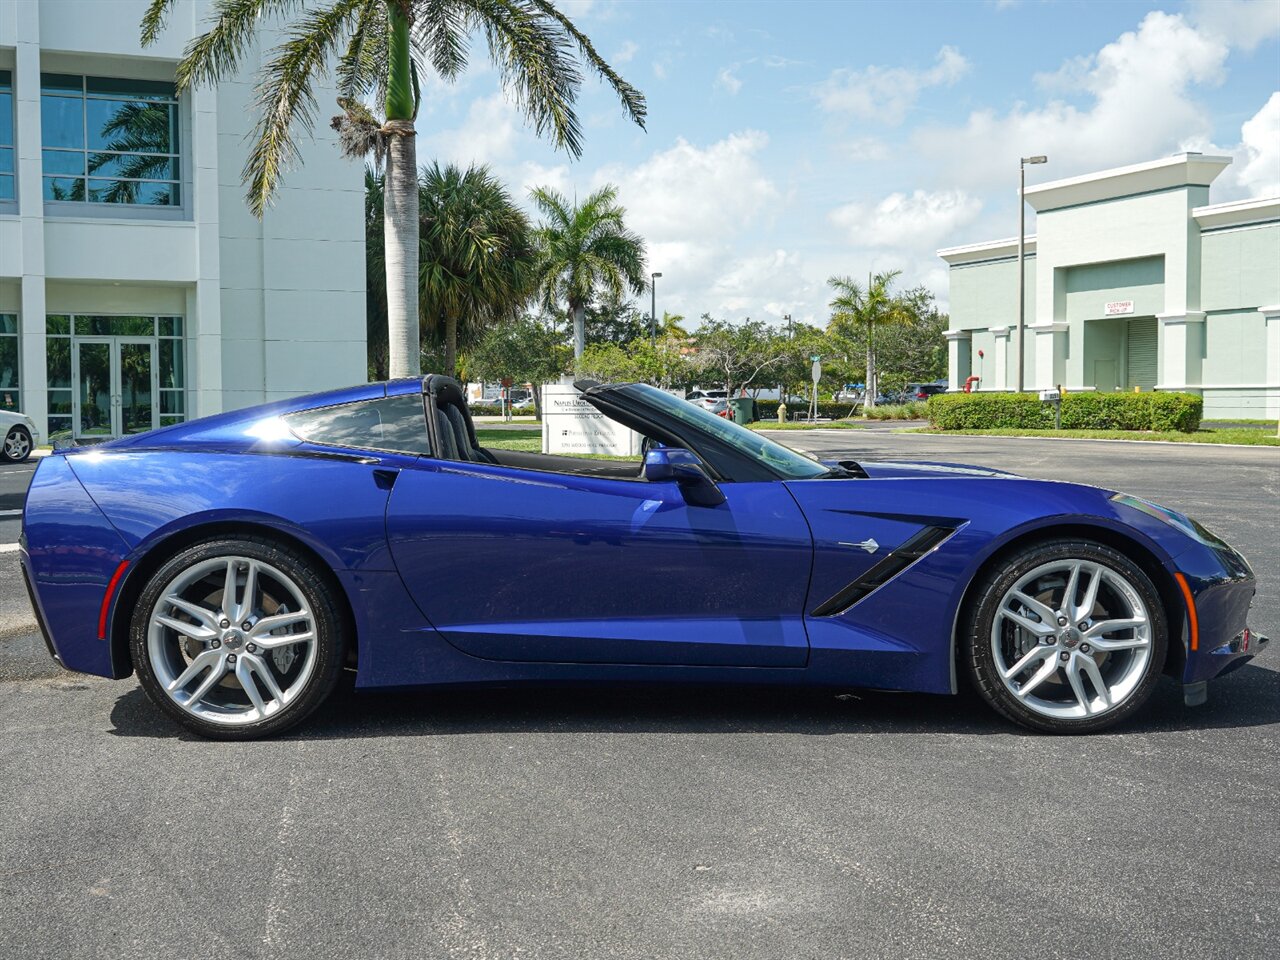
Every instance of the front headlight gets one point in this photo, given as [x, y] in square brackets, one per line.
[1192, 528]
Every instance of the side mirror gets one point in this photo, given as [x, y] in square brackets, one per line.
[667, 464]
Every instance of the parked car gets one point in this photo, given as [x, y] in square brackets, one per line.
[360, 528]
[706, 398]
[20, 436]
[923, 391]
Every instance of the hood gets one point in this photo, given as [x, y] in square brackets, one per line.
[882, 469]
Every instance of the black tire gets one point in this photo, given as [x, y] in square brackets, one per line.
[17, 439]
[979, 641]
[328, 628]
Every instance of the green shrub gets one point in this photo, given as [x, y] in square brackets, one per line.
[1080, 411]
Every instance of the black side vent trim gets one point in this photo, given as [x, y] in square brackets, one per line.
[884, 571]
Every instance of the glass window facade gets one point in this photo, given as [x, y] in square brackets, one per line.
[107, 363]
[10, 398]
[108, 140]
[8, 160]
[58, 367]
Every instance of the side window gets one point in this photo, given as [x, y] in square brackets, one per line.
[394, 424]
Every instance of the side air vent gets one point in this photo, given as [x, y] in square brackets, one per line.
[884, 571]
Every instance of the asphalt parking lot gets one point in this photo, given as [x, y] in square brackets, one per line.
[663, 823]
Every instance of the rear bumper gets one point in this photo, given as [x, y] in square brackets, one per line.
[70, 552]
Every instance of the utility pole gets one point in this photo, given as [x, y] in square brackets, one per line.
[653, 308]
[1022, 251]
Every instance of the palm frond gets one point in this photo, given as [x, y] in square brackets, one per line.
[216, 53]
[534, 60]
[154, 20]
[632, 99]
[440, 30]
[285, 95]
[362, 69]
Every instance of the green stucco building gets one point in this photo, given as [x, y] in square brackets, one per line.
[1133, 281]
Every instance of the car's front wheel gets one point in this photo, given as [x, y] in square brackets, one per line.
[17, 444]
[237, 638]
[1067, 636]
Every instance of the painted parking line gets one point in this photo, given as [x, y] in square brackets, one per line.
[10, 513]
[8, 548]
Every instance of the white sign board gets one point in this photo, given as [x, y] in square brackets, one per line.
[816, 371]
[1115, 308]
[1050, 395]
[572, 426]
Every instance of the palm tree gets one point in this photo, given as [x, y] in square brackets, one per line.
[476, 262]
[854, 304]
[379, 46]
[375, 276]
[584, 249]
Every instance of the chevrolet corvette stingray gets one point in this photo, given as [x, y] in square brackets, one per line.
[240, 562]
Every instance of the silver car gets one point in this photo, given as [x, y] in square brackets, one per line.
[20, 436]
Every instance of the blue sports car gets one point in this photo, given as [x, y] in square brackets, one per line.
[239, 563]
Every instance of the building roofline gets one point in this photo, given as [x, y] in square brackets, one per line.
[1237, 212]
[1180, 170]
[987, 250]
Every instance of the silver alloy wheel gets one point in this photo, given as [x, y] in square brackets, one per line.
[232, 640]
[17, 445]
[1072, 639]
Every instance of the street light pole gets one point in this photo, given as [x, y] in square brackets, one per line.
[1022, 251]
[653, 308]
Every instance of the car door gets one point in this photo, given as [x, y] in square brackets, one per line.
[530, 565]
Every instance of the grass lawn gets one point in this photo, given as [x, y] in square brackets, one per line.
[1243, 435]
[530, 441]
[510, 438]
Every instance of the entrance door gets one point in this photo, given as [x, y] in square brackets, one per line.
[114, 388]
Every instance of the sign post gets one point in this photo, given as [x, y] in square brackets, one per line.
[816, 373]
[1054, 397]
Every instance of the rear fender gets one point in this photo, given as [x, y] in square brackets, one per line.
[71, 553]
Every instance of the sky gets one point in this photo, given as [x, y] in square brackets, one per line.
[790, 141]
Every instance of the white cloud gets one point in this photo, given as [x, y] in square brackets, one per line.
[696, 207]
[1241, 23]
[659, 69]
[864, 149]
[1255, 167]
[728, 81]
[1137, 103]
[1258, 158]
[886, 93]
[487, 135]
[911, 223]
[574, 9]
[626, 53]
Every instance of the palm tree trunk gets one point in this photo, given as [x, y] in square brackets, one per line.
[451, 347]
[579, 330]
[400, 206]
[871, 366]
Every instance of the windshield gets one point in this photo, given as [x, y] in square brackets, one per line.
[784, 460]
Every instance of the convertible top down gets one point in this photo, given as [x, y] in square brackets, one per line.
[238, 563]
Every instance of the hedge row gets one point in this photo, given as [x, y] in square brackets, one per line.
[1080, 411]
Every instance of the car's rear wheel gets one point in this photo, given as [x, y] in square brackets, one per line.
[237, 638]
[1067, 636]
[17, 444]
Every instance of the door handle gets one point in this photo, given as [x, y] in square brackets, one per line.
[385, 479]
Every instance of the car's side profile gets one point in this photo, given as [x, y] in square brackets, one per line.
[238, 563]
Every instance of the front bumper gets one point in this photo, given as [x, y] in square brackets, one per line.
[1216, 635]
